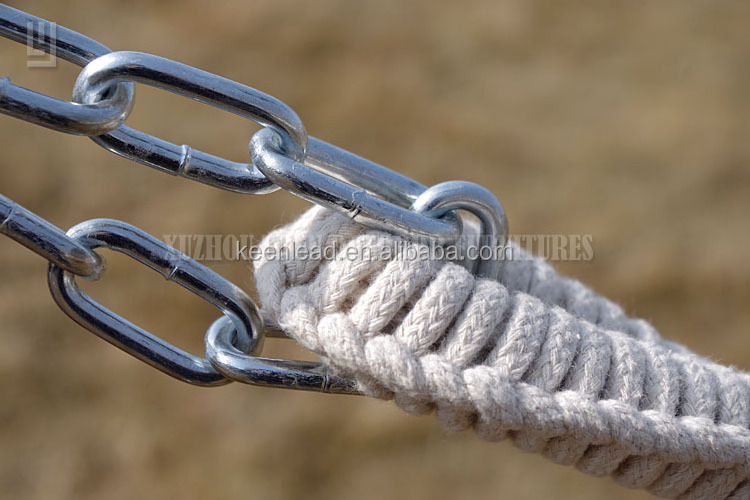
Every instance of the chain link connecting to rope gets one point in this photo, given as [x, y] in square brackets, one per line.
[282, 156]
[533, 357]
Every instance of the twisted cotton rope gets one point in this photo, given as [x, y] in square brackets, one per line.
[535, 357]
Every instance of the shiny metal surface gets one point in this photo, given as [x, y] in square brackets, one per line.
[119, 67]
[281, 157]
[363, 173]
[268, 372]
[73, 118]
[358, 197]
[174, 266]
[47, 240]
[441, 198]
[70, 45]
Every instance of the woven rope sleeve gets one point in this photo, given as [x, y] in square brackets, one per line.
[534, 357]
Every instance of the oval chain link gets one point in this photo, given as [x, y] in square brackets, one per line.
[174, 266]
[45, 239]
[64, 116]
[119, 67]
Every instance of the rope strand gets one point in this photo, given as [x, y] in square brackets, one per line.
[534, 357]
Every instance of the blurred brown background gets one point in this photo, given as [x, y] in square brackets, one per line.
[625, 120]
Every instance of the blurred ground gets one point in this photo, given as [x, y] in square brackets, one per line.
[624, 120]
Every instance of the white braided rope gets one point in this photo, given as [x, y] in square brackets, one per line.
[535, 357]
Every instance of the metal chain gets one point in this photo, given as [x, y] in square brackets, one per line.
[126, 67]
[45, 239]
[282, 156]
[92, 119]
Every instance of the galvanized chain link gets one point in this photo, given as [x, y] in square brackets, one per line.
[45, 239]
[126, 67]
[282, 156]
[72, 118]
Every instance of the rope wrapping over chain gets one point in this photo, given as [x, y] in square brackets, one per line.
[534, 357]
